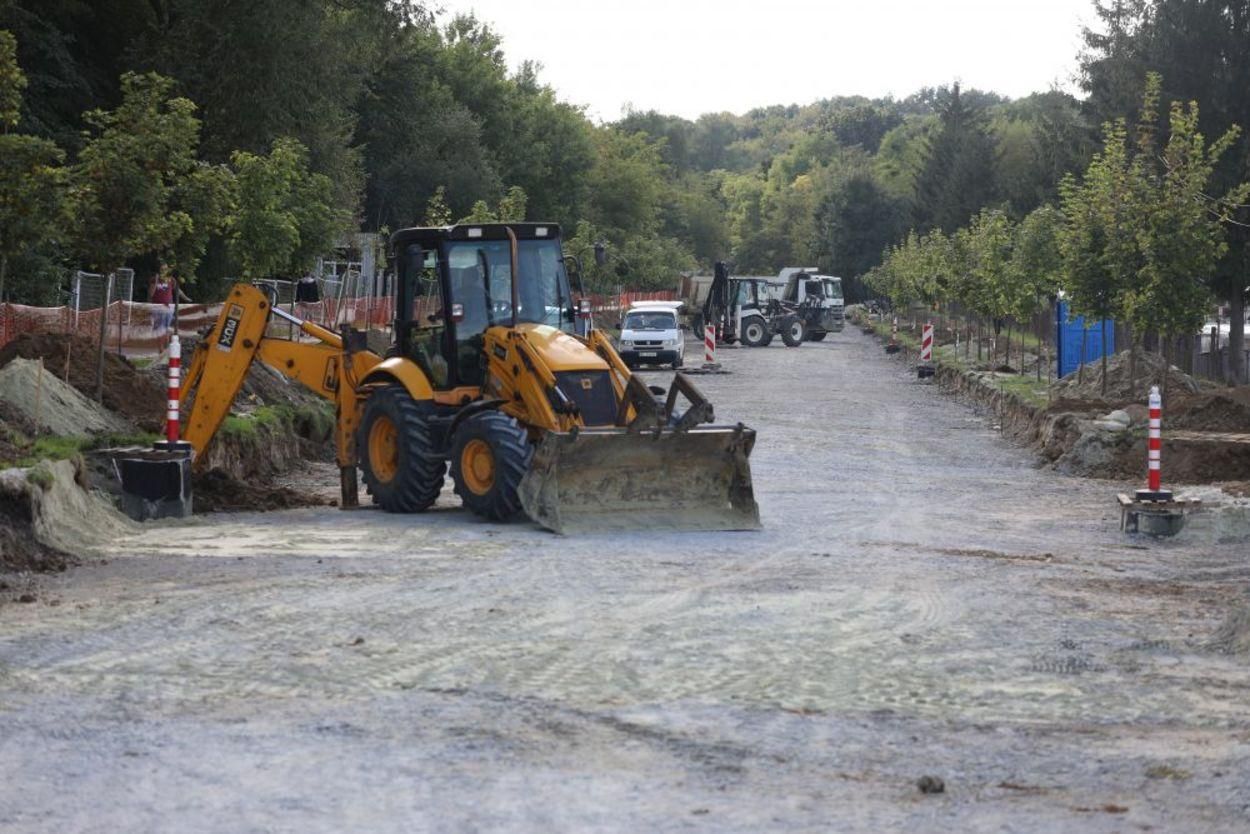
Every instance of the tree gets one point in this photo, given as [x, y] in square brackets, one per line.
[285, 215]
[1200, 50]
[32, 180]
[128, 171]
[1141, 231]
[957, 179]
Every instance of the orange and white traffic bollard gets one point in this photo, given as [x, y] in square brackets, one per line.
[172, 427]
[1154, 490]
[925, 368]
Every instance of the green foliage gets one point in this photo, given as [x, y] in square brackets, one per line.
[511, 209]
[437, 213]
[132, 163]
[285, 215]
[12, 82]
[1140, 231]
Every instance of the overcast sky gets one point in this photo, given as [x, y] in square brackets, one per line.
[689, 57]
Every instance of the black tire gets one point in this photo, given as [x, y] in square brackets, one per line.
[755, 332]
[410, 479]
[501, 436]
[678, 362]
[792, 330]
[818, 336]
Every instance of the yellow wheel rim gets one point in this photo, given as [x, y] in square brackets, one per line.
[384, 449]
[477, 467]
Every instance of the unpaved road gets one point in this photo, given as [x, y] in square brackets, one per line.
[922, 601]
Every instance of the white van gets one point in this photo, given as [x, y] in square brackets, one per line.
[651, 334]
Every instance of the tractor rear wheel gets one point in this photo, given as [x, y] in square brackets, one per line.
[755, 332]
[792, 331]
[400, 466]
[490, 455]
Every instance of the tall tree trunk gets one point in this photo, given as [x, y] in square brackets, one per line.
[1132, 364]
[4, 274]
[1104, 358]
[1080, 367]
[107, 288]
[1236, 334]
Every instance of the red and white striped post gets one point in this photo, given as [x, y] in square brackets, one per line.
[925, 369]
[709, 345]
[1154, 451]
[892, 345]
[172, 427]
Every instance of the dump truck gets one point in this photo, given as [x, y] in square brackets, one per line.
[487, 376]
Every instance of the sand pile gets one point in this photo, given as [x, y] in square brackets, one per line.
[137, 396]
[39, 395]
[48, 517]
[1150, 369]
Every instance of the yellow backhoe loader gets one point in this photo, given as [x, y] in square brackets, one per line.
[488, 372]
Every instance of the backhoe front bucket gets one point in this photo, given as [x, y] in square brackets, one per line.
[611, 479]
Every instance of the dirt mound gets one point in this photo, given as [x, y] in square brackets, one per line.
[1223, 411]
[52, 405]
[19, 549]
[1150, 369]
[216, 491]
[127, 391]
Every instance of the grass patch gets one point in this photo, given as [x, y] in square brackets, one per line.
[315, 421]
[1026, 388]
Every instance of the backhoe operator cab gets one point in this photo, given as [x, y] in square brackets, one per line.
[455, 283]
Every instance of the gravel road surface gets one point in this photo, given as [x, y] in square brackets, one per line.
[922, 601]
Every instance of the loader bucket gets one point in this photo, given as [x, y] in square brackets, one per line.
[611, 479]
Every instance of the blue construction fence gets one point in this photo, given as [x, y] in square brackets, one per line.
[1072, 333]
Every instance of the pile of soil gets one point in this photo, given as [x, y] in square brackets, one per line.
[31, 389]
[1150, 369]
[1221, 410]
[19, 549]
[137, 396]
[217, 491]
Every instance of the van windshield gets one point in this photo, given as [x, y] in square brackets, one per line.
[649, 320]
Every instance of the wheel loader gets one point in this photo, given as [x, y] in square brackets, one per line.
[490, 375]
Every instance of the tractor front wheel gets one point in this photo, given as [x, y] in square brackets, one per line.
[398, 461]
[490, 455]
[792, 331]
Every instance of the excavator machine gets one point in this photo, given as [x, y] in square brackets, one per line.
[490, 375]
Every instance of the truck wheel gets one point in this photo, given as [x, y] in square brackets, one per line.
[818, 336]
[755, 332]
[792, 332]
[490, 454]
[398, 461]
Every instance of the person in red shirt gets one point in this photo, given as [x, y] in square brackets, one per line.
[161, 291]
